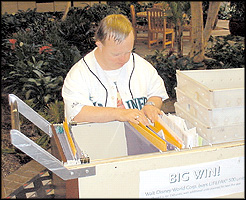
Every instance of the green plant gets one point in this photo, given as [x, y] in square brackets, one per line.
[35, 61]
[224, 12]
[166, 66]
[226, 52]
[29, 19]
[237, 19]
[39, 49]
[54, 112]
[237, 10]
[33, 79]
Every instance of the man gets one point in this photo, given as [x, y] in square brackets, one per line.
[111, 83]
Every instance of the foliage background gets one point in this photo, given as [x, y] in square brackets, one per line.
[38, 49]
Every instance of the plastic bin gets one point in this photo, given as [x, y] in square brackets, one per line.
[215, 134]
[217, 88]
[210, 117]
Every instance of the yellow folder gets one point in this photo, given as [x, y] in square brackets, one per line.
[70, 140]
[150, 136]
[168, 136]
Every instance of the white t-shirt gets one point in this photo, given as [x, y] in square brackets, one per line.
[88, 84]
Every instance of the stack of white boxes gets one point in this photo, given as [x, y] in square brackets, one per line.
[213, 102]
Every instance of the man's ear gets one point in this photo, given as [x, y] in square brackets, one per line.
[99, 44]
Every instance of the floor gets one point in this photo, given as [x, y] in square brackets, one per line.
[40, 186]
[35, 181]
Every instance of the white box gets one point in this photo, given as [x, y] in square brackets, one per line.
[210, 117]
[218, 134]
[216, 88]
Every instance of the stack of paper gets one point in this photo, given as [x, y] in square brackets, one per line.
[189, 137]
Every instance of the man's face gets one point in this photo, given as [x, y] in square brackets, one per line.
[115, 55]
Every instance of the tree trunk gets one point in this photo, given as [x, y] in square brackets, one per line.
[200, 37]
[197, 46]
[212, 14]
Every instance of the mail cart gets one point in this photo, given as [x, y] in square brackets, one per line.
[122, 160]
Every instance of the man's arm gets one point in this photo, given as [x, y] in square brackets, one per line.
[107, 114]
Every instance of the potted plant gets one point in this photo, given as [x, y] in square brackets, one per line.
[237, 19]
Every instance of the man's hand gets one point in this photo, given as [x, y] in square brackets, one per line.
[151, 112]
[152, 108]
[131, 115]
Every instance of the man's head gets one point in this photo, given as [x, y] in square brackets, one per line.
[115, 41]
[115, 26]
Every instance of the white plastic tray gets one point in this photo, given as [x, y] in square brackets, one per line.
[215, 88]
[218, 134]
[210, 117]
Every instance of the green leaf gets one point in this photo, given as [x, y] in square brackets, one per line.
[47, 98]
[28, 93]
[32, 80]
[34, 60]
[39, 73]
[30, 64]
[39, 64]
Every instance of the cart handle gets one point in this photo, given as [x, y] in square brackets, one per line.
[18, 106]
[20, 141]
[29, 147]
